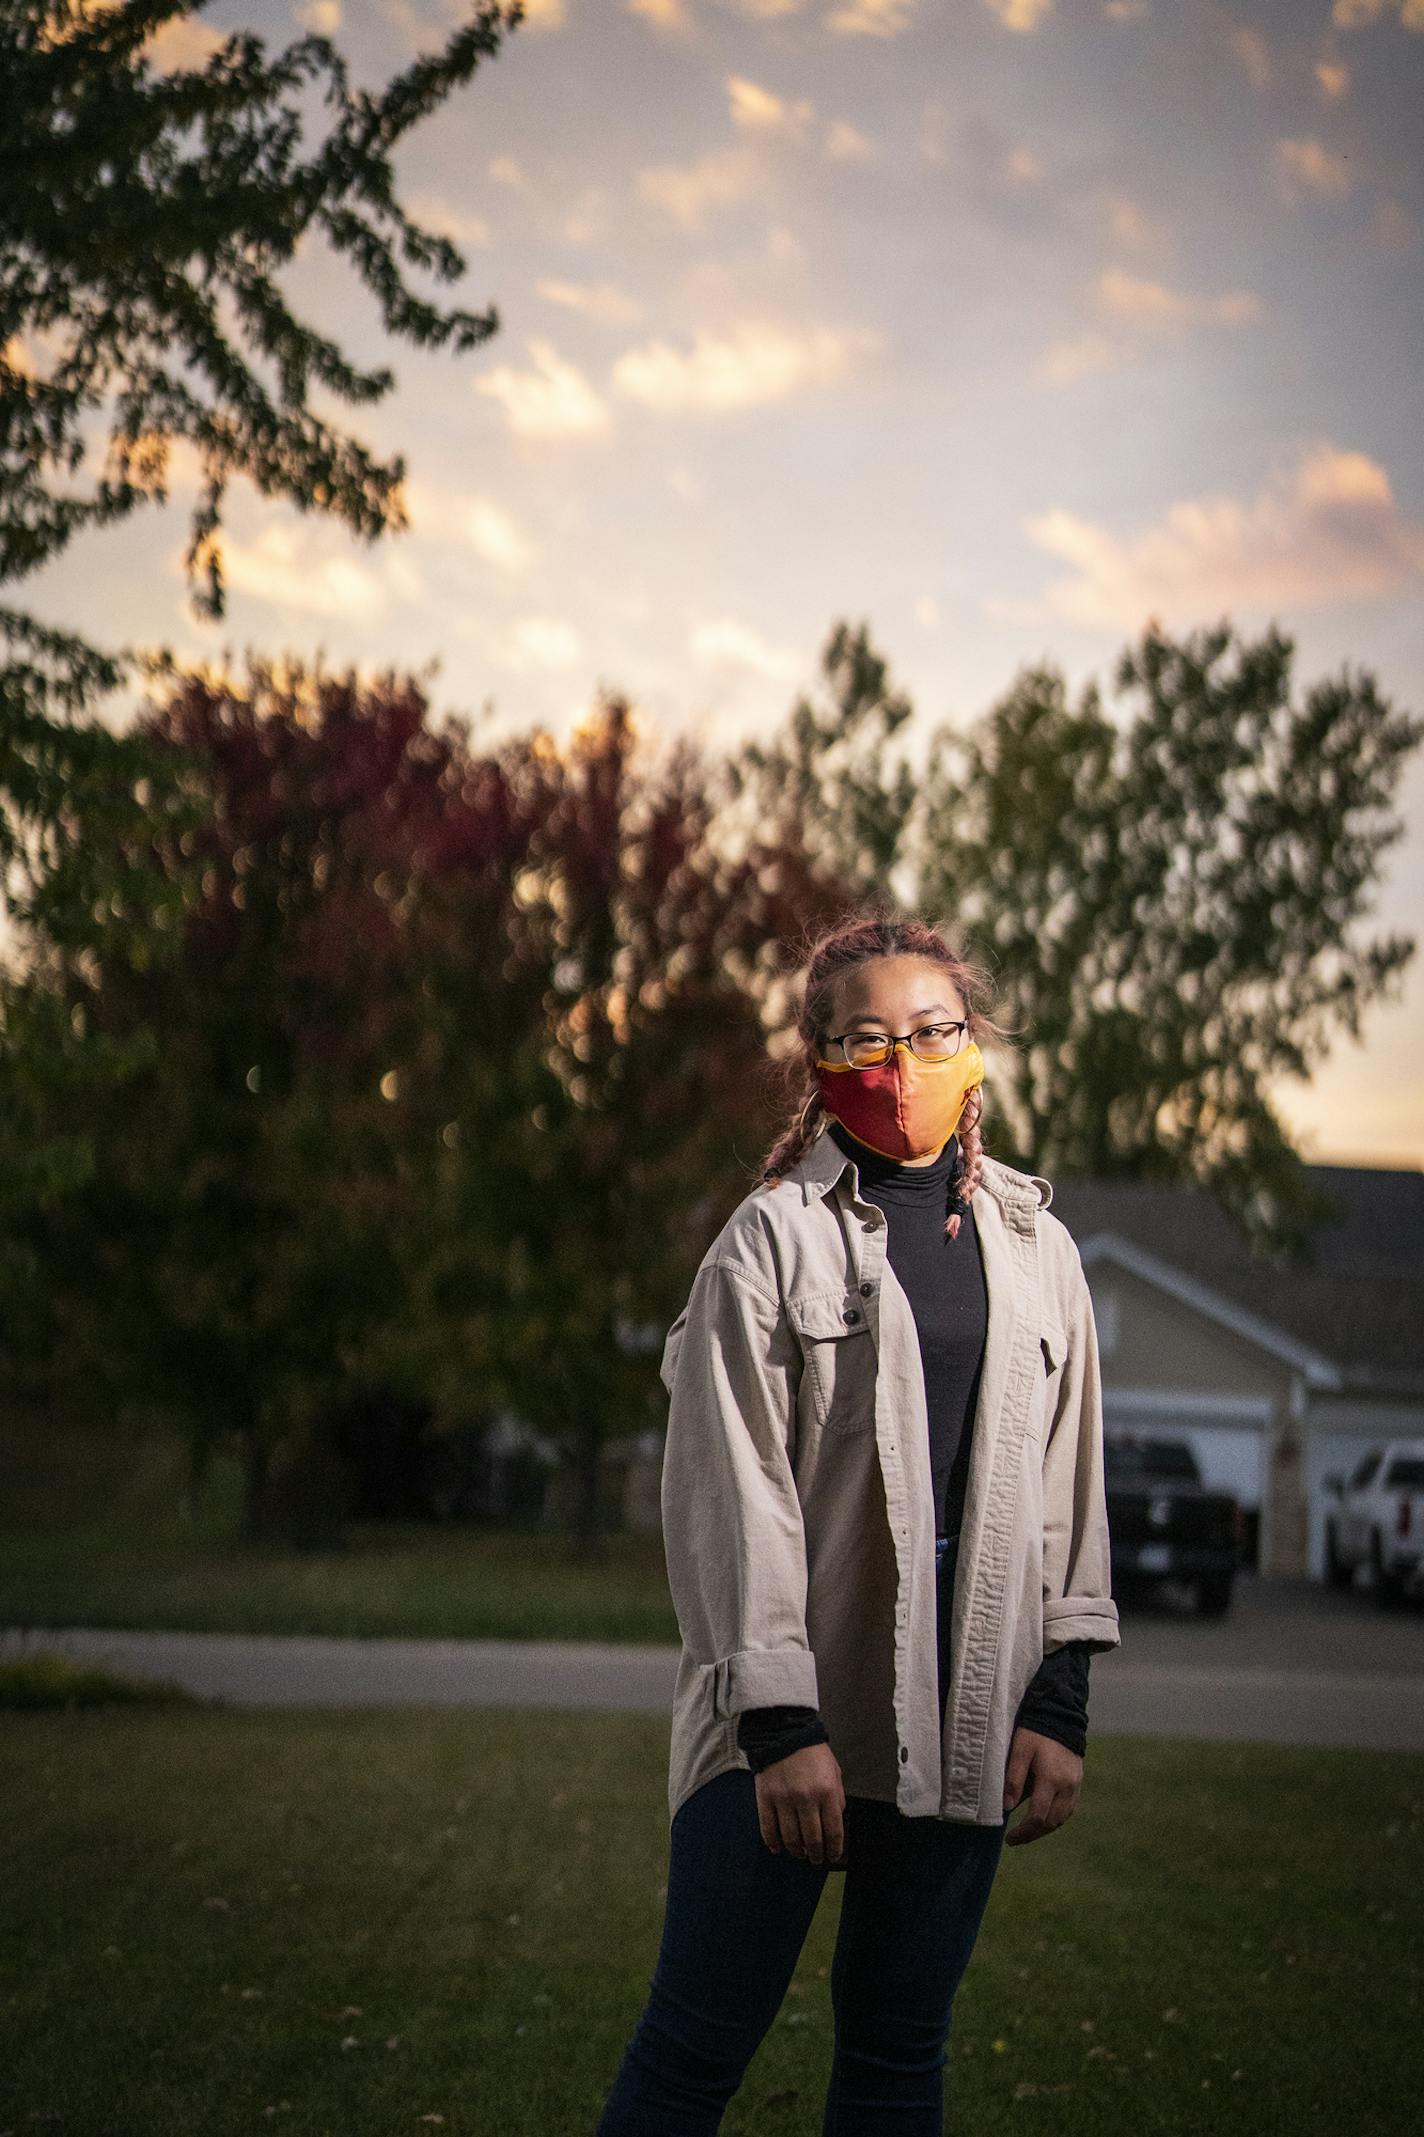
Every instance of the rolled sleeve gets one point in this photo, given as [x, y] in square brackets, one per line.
[732, 1526]
[1077, 1573]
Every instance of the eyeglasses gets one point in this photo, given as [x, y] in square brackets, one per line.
[932, 1042]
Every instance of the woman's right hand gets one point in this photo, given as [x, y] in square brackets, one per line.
[801, 1805]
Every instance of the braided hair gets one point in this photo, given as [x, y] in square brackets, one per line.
[832, 956]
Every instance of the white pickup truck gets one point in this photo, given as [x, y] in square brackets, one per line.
[1377, 1520]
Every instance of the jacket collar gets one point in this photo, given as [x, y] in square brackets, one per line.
[819, 1168]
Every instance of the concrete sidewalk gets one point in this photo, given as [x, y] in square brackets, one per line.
[1246, 1703]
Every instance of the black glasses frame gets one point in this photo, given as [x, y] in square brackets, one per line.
[959, 1024]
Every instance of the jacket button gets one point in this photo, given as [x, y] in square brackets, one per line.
[852, 1313]
[904, 1754]
[865, 1290]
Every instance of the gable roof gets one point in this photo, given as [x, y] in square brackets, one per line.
[1358, 1301]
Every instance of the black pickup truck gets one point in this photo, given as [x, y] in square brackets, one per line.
[1165, 1525]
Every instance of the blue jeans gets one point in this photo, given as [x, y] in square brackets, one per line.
[736, 1918]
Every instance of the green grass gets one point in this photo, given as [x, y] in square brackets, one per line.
[92, 1532]
[361, 1921]
[46, 1680]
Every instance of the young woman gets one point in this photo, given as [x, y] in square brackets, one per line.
[887, 1546]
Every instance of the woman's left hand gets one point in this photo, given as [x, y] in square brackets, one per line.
[1050, 1775]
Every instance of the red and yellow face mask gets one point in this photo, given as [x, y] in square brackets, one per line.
[904, 1107]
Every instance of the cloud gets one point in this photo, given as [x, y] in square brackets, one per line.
[1356, 14]
[1142, 309]
[554, 400]
[761, 111]
[685, 192]
[844, 143]
[533, 644]
[1003, 178]
[322, 15]
[1078, 356]
[434, 213]
[1307, 167]
[590, 216]
[723, 642]
[1129, 227]
[493, 535]
[1392, 227]
[933, 136]
[1253, 53]
[1021, 15]
[1125, 10]
[603, 302]
[669, 16]
[742, 367]
[505, 171]
[1333, 76]
[1153, 306]
[872, 18]
[546, 642]
[1327, 530]
[478, 523]
[283, 566]
[183, 46]
[765, 10]
[684, 484]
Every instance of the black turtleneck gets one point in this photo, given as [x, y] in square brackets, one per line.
[944, 1281]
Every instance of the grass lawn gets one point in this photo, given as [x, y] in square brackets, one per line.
[376, 1921]
[92, 1532]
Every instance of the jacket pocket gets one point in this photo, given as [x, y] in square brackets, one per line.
[1054, 1345]
[839, 1357]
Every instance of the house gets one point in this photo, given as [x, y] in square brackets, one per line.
[1280, 1376]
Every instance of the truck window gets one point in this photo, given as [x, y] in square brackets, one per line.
[1125, 1460]
[1406, 1469]
[1365, 1474]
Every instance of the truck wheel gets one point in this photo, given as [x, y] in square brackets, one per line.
[1387, 1585]
[1214, 1594]
[1338, 1571]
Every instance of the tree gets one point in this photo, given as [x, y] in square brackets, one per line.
[439, 1089]
[825, 779]
[145, 220]
[1175, 902]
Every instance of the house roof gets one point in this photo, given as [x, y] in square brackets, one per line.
[1358, 1301]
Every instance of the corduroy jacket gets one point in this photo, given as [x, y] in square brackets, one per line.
[797, 1501]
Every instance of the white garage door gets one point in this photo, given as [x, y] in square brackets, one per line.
[1231, 1457]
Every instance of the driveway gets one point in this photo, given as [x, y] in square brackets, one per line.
[1292, 1664]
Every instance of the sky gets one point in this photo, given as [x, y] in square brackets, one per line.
[1000, 326]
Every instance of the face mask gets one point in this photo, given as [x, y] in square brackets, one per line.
[905, 1107]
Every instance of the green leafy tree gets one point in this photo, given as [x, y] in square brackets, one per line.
[828, 779]
[146, 220]
[1176, 901]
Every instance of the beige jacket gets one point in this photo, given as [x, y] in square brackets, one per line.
[797, 1497]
